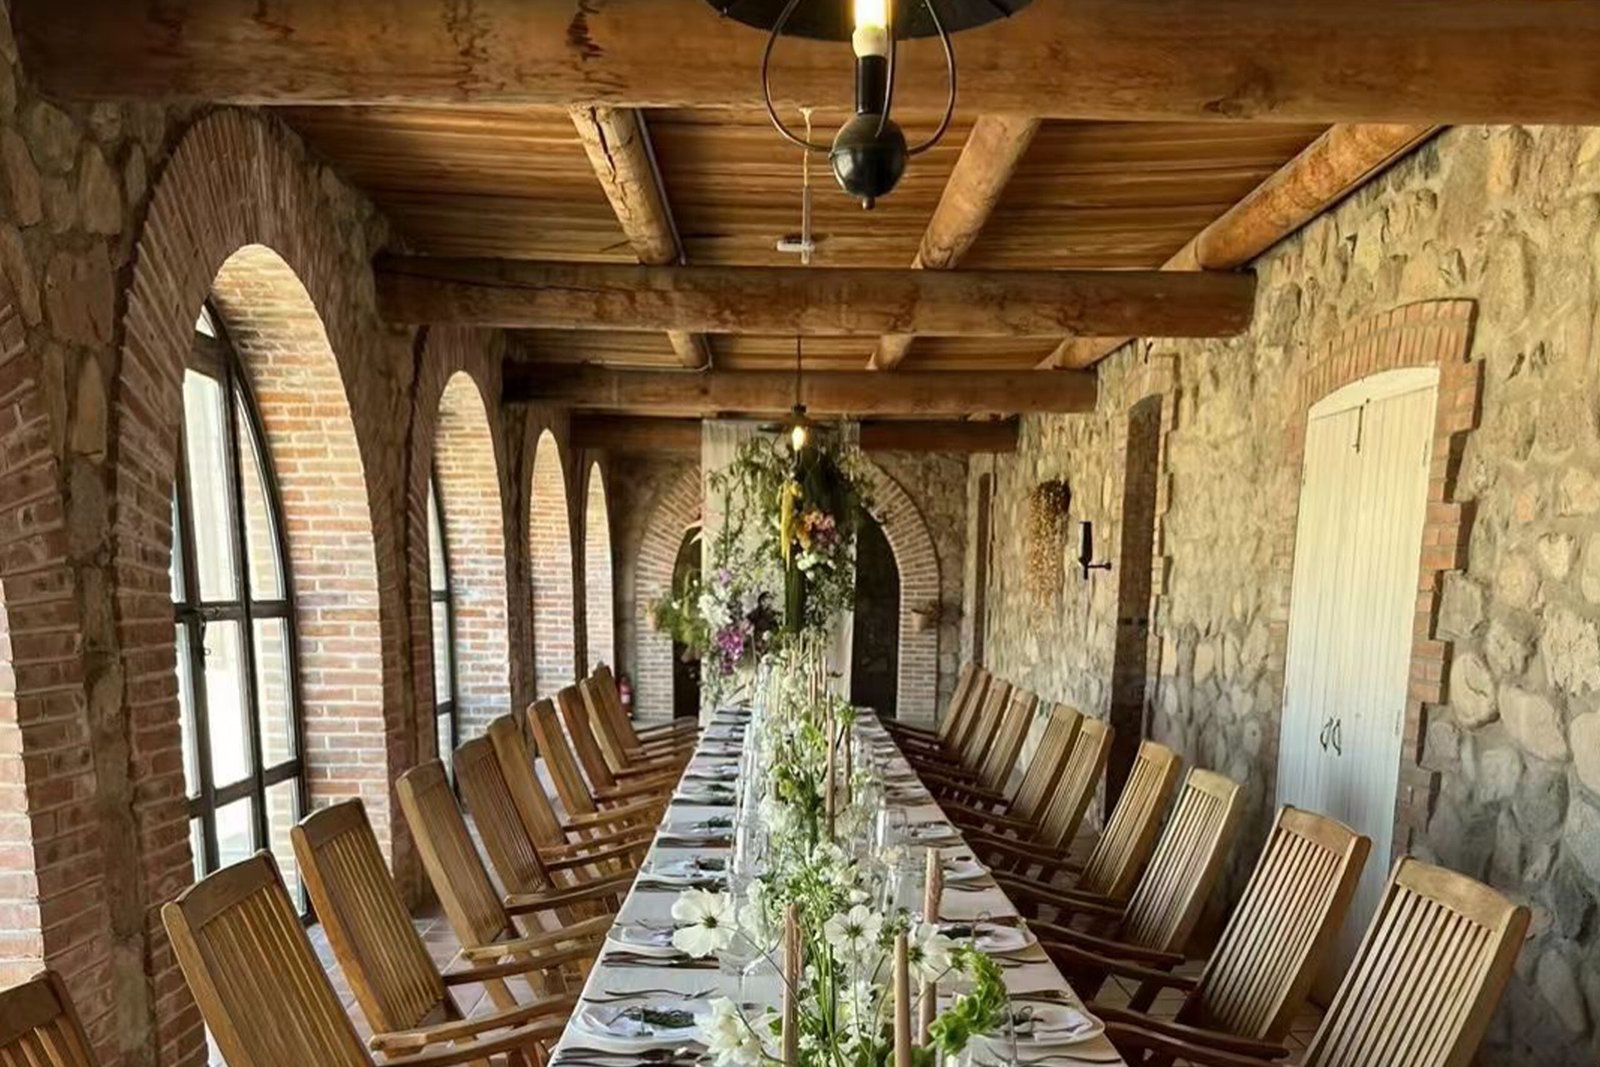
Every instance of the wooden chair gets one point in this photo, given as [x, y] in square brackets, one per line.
[1270, 951]
[977, 807]
[394, 978]
[269, 1003]
[489, 927]
[974, 741]
[1424, 984]
[962, 703]
[625, 812]
[993, 771]
[623, 758]
[1013, 843]
[39, 1026]
[642, 777]
[513, 852]
[676, 733]
[1124, 848]
[1155, 924]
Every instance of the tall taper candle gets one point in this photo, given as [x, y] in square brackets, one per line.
[932, 896]
[902, 1002]
[828, 791]
[792, 969]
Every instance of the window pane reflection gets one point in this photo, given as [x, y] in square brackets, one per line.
[235, 832]
[272, 691]
[205, 444]
[225, 704]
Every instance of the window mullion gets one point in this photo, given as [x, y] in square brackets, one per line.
[194, 625]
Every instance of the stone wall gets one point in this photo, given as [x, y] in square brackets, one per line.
[1501, 776]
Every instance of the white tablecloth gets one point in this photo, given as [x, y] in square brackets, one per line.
[645, 904]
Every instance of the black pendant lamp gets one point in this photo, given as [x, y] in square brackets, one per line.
[869, 153]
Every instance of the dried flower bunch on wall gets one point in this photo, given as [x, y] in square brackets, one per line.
[1048, 505]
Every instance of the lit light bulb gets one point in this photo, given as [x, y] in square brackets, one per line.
[798, 435]
[871, 36]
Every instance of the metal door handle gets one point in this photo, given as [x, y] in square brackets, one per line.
[1322, 738]
[1338, 737]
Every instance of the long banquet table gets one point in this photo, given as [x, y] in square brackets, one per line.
[1027, 971]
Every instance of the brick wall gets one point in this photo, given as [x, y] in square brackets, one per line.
[917, 686]
[550, 560]
[599, 594]
[675, 510]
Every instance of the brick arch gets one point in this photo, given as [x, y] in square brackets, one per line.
[53, 865]
[676, 510]
[599, 591]
[238, 180]
[457, 425]
[917, 687]
[551, 568]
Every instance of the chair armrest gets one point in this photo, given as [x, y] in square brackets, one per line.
[541, 1032]
[1026, 852]
[483, 972]
[623, 795]
[610, 886]
[652, 768]
[1106, 946]
[578, 931]
[622, 820]
[1131, 1039]
[1198, 1035]
[899, 729]
[1066, 956]
[602, 855]
[647, 810]
[1023, 827]
[631, 834]
[1066, 901]
[455, 1029]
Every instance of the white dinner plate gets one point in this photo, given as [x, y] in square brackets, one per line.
[644, 939]
[625, 1028]
[992, 938]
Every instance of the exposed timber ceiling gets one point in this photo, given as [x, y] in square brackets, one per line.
[1119, 136]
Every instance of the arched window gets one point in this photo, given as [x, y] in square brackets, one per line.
[444, 645]
[599, 618]
[237, 684]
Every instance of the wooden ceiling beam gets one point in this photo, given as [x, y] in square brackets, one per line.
[618, 144]
[994, 147]
[1403, 61]
[1328, 170]
[860, 394]
[816, 301]
[649, 434]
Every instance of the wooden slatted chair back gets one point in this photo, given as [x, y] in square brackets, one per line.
[1184, 868]
[559, 759]
[388, 967]
[471, 903]
[972, 711]
[1120, 855]
[961, 703]
[581, 736]
[1043, 772]
[253, 972]
[1427, 977]
[1280, 933]
[605, 687]
[1080, 777]
[613, 744]
[511, 850]
[39, 1026]
[539, 816]
[1001, 759]
[986, 723]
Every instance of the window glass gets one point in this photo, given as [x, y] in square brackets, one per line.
[235, 832]
[272, 691]
[260, 538]
[438, 566]
[228, 731]
[191, 751]
[209, 519]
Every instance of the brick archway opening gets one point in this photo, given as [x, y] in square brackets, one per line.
[600, 631]
[917, 688]
[675, 512]
[551, 570]
[468, 478]
[310, 436]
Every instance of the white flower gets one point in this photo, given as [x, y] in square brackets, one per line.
[853, 933]
[929, 952]
[714, 611]
[710, 922]
[731, 1040]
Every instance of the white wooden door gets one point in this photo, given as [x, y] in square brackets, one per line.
[1363, 501]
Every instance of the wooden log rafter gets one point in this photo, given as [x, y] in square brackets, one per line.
[656, 435]
[816, 301]
[1328, 170]
[618, 145]
[1389, 61]
[994, 147]
[861, 394]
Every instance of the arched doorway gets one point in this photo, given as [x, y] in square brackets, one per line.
[875, 646]
[600, 629]
[685, 666]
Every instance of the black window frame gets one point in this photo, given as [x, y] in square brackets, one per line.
[217, 357]
[450, 705]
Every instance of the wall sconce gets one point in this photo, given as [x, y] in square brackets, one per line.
[1086, 550]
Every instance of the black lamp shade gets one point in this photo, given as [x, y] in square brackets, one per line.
[833, 20]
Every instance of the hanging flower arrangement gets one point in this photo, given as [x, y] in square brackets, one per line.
[1048, 505]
